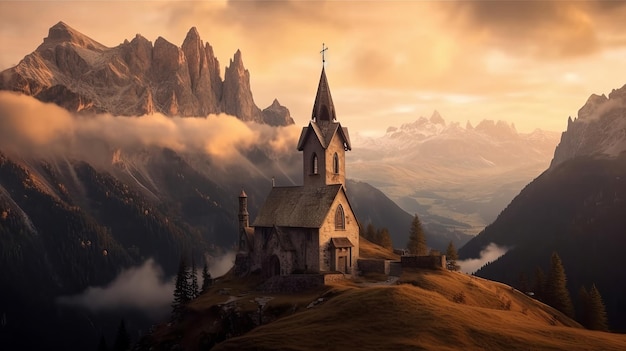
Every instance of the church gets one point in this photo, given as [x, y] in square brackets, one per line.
[310, 228]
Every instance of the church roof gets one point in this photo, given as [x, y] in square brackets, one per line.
[324, 132]
[323, 108]
[297, 206]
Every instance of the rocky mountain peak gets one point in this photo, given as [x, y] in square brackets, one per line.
[437, 119]
[61, 32]
[137, 78]
[598, 130]
[277, 115]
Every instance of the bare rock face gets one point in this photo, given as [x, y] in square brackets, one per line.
[277, 115]
[136, 78]
[236, 95]
[599, 129]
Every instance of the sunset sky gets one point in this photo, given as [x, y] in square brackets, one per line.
[532, 63]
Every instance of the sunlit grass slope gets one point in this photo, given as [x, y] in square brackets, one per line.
[429, 310]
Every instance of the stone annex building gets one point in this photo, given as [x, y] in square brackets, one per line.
[310, 228]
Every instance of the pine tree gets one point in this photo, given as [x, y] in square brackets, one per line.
[556, 292]
[522, 282]
[385, 239]
[122, 339]
[539, 284]
[194, 289]
[370, 232]
[583, 307]
[597, 312]
[452, 256]
[417, 241]
[206, 277]
[181, 290]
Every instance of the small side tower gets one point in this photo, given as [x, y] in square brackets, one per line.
[244, 221]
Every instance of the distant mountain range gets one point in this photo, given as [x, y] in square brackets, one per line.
[575, 208]
[137, 78]
[454, 177]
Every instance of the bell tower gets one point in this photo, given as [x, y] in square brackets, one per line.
[324, 142]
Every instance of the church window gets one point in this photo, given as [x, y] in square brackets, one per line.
[314, 164]
[340, 218]
[336, 163]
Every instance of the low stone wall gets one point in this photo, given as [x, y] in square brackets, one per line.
[373, 265]
[395, 268]
[428, 262]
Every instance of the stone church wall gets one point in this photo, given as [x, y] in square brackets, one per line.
[328, 231]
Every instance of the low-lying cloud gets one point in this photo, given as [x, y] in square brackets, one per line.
[143, 288]
[489, 254]
[30, 126]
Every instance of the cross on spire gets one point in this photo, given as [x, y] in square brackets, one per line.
[324, 49]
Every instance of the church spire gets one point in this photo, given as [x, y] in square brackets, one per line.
[323, 109]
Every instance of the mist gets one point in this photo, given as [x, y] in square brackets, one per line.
[29, 127]
[142, 288]
[220, 265]
[489, 254]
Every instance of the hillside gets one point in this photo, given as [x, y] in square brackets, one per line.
[575, 208]
[434, 310]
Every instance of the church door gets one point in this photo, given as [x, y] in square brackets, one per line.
[342, 264]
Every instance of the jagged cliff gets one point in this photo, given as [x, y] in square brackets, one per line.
[137, 78]
[599, 129]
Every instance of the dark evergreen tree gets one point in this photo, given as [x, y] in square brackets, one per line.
[522, 282]
[539, 284]
[556, 294]
[181, 290]
[102, 344]
[370, 232]
[452, 256]
[384, 238]
[417, 240]
[122, 339]
[597, 312]
[582, 312]
[194, 288]
[207, 281]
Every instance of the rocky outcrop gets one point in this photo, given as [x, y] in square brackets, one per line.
[599, 129]
[137, 78]
[277, 115]
[237, 97]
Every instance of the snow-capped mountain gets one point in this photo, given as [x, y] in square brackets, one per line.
[440, 169]
[137, 78]
[599, 129]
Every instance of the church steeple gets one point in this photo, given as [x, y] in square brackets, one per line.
[324, 142]
[323, 109]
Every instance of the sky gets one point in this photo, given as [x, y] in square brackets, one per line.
[531, 63]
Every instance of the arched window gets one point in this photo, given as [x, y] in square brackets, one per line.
[340, 218]
[314, 164]
[336, 163]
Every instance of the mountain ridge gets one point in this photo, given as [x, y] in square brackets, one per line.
[137, 78]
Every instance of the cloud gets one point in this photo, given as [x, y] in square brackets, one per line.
[489, 254]
[549, 28]
[220, 265]
[30, 126]
[142, 288]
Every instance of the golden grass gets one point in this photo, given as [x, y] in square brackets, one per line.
[422, 315]
[368, 249]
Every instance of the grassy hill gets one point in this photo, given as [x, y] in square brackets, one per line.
[424, 309]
